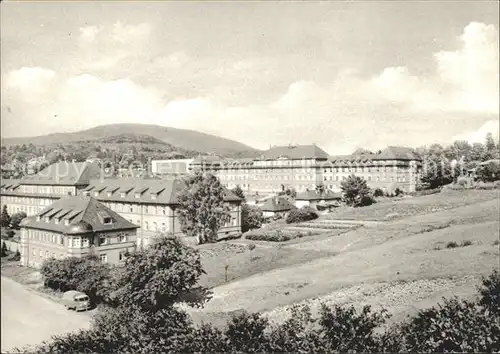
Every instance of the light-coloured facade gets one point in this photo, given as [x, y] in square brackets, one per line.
[75, 227]
[148, 203]
[307, 167]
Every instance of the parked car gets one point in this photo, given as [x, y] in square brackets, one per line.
[76, 300]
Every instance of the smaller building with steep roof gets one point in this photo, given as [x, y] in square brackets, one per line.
[74, 227]
[276, 207]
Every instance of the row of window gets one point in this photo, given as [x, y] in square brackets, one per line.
[72, 242]
[43, 255]
[136, 208]
[27, 200]
[377, 178]
[48, 189]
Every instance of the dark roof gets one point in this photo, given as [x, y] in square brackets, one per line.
[277, 204]
[85, 214]
[389, 153]
[397, 153]
[314, 195]
[9, 185]
[164, 190]
[65, 173]
[294, 152]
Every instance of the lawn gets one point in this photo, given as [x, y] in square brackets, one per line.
[401, 264]
[409, 206]
[241, 262]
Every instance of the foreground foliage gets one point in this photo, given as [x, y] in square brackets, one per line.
[144, 319]
[85, 274]
[306, 213]
[202, 210]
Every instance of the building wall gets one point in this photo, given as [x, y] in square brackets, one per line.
[266, 177]
[40, 245]
[152, 219]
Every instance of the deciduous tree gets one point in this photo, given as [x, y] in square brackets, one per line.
[5, 217]
[355, 191]
[202, 210]
[251, 217]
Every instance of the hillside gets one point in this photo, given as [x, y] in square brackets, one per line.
[184, 139]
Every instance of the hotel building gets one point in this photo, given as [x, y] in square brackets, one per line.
[74, 227]
[306, 167]
[150, 204]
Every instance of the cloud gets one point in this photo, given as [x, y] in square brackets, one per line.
[89, 33]
[394, 106]
[479, 135]
[27, 78]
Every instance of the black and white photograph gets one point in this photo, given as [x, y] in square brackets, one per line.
[250, 176]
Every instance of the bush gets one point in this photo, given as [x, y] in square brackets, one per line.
[454, 326]
[10, 233]
[278, 235]
[17, 256]
[251, 217]
[356, 192]
[451, 244]
[4, 251]
[86, 274]
[16, 219]
[398, 192]
[466, 243]
[378, 192]
[489, 172]
[306, 213]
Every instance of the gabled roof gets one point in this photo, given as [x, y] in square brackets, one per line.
[65, 173]
[294, 152]
[314, 195]
[79, 211]
[397, 153]
[166, 190]
[277, 204]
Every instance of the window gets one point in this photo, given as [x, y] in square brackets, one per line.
[107, 220]
[85, 242]
[146, 225]
[155, 226]
[103, 240]
[122, 238]
[103, 258]
[121, 256]
[163, 227]
[131, 209]
[76, 242]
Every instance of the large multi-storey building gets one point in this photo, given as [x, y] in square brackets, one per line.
[306, 167]
[150, 204]
[76, 226]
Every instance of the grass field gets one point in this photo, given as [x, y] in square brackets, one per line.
[402, 264]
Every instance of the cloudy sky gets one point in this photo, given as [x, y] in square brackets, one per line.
[342, 75]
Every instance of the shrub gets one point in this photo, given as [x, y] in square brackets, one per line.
[398, 192]
[10, 233]
[355, 191]
[4, 251]
[378, 192]
[251, 217]
[86, 274]
[305, 213]
[466, 243]
[489, 172]
[455, 326]
[451, 244]
[16, 219]
[17, 256]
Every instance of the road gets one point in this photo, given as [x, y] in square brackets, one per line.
[28, 318]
